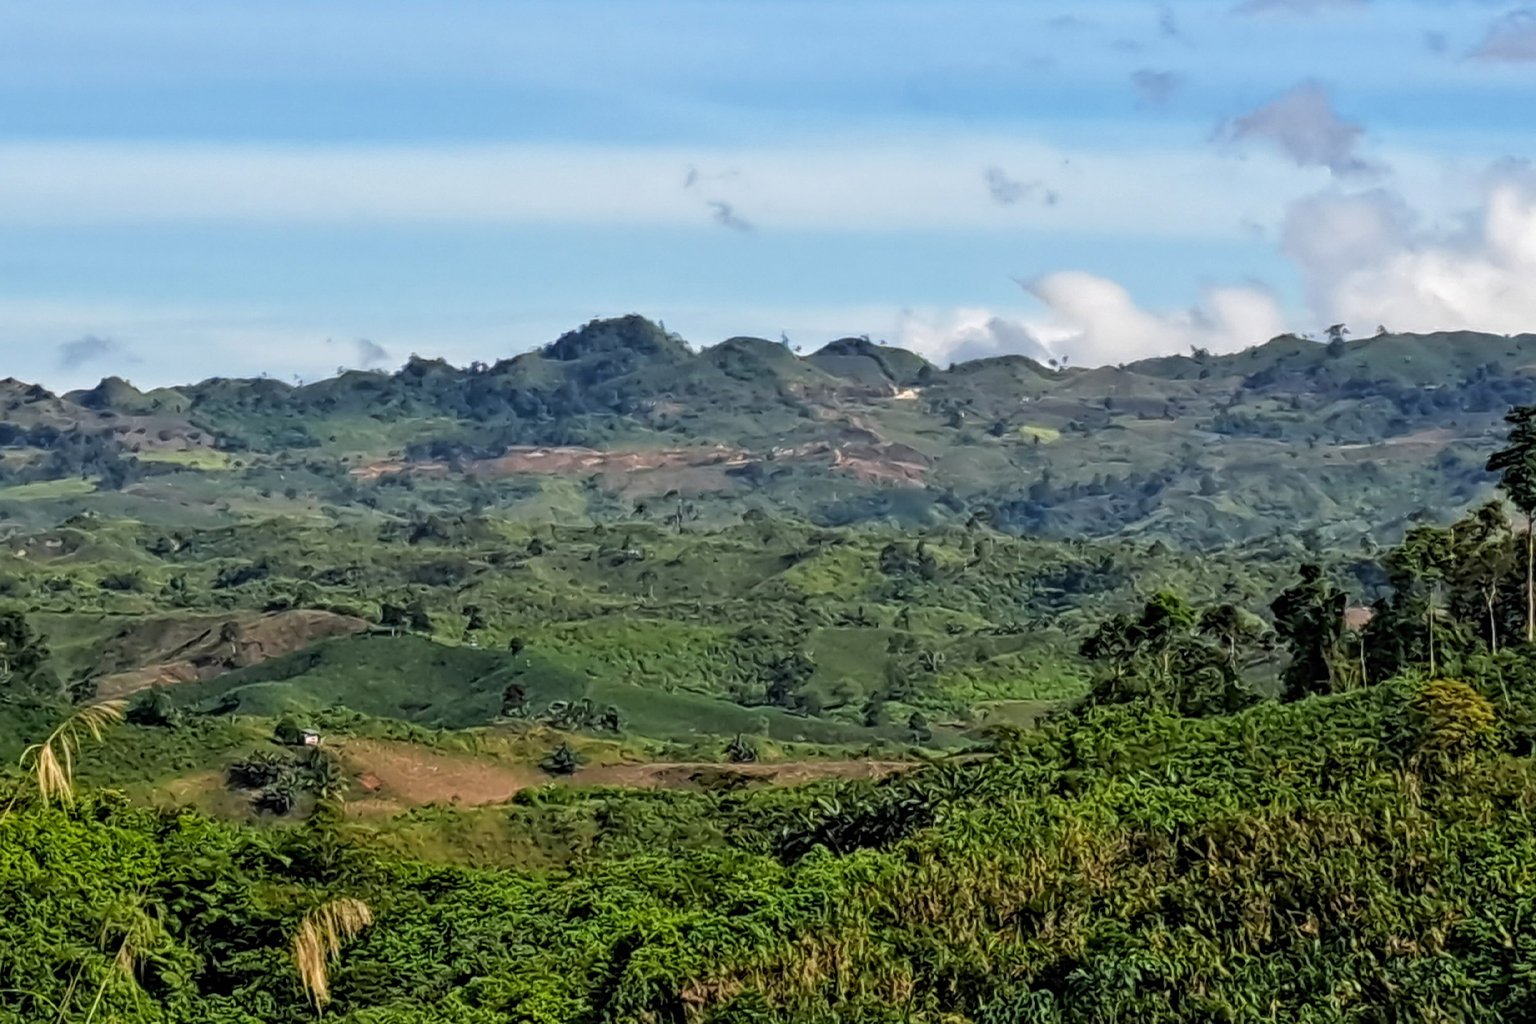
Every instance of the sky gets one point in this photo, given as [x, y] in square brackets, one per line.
[222, 188]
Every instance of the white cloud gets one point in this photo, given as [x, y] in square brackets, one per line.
[1366, 258]
[954, 336]
[1367, 261]
[1329, 235]
[1093, 321]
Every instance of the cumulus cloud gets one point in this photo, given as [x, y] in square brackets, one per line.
[1304, 126]
[1327, 236]
[960, 335]
[90, 349]
[1367, 260]
[1095, 320]
[1295, 6]
[1156, 87]
[1511, 37]
[1366, 257]
[1006, 191]
[1092, 321]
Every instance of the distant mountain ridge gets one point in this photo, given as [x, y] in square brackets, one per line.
[1348, 437]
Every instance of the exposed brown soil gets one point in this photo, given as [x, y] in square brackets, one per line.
[885, 464]
[588, 461]
[165, 652]
[398, 775]
[690, 470]
[373, 471]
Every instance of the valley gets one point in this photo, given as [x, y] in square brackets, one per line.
[808, 686]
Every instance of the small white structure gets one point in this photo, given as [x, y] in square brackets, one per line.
[309, 738]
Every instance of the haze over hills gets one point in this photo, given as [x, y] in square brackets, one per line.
[1344, 438]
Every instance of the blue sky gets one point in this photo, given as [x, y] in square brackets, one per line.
[217, 188]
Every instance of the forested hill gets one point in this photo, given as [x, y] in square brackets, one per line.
[620, 418]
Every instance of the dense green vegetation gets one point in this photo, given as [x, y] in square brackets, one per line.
[620, 418]
[307, 710]
[775, 629]
[1363, 856]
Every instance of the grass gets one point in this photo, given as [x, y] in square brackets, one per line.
[439, 686]
[204, 459]
[405, 677]
[48, 490]
[682, 717]
[1022, 714]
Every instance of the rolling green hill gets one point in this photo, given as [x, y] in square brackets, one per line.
[1343, 438]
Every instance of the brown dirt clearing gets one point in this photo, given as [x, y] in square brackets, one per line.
[397, 775]
[406, 774]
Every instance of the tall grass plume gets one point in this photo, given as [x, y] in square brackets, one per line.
[52, 762]
[317, 943]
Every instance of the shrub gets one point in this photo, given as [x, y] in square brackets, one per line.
[1450, 720]
[740, 751]
[561, 761]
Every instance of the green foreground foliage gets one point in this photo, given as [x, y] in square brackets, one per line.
[1362, 857]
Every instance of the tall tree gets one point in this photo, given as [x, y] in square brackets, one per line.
[1236, 630]
[1484, 556]
[1309, 617]
[23, 657]
[1418, 568]
[1516, 465]
[1171, 657]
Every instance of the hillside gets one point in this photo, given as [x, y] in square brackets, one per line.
[587, 728]
[777, 629]
[1343, 439]
[1333, 859]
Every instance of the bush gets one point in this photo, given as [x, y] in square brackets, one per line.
[1450, 721]
[288, 732]
[257, 771]
[154, 708]
[561, 761]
